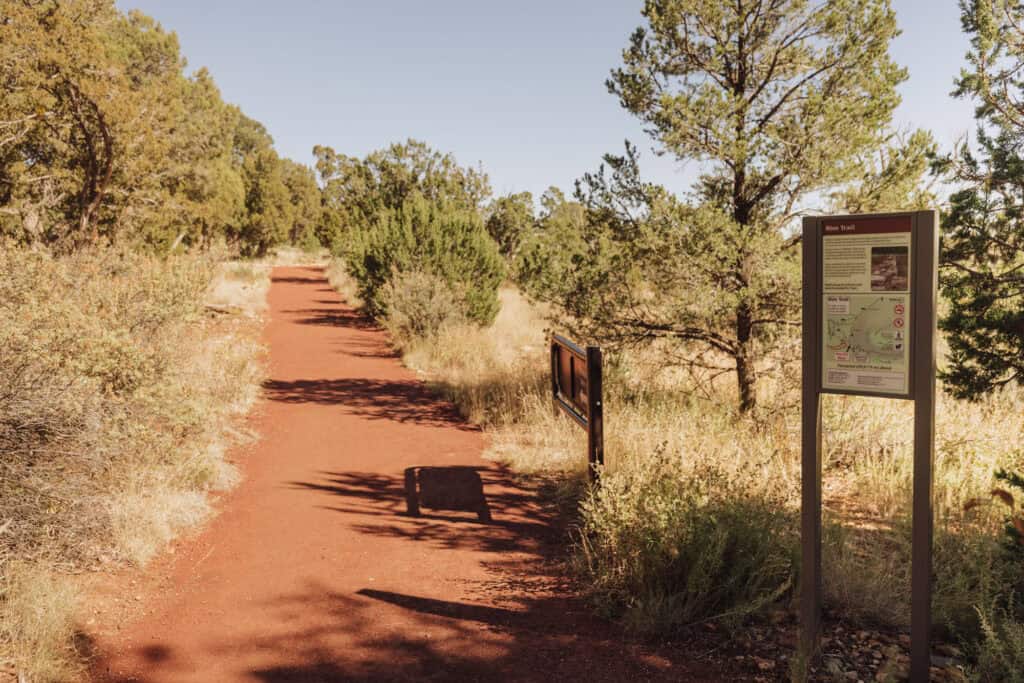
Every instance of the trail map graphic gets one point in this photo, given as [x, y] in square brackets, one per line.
[865, 341]
[865, 282]
[868, 328]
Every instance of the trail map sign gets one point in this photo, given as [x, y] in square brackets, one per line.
[576, 390]
[869, 297]
[866, 278]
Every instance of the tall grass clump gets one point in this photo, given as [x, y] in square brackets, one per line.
[37, 626]
[1000, 651]
[118, 398]
[419, 306]
[663, 545]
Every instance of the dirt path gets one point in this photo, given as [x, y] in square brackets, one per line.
[314, 571]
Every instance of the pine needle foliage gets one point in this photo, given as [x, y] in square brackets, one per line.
[983, 232]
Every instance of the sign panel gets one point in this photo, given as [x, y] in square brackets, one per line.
[866, 304]
[571, 378]
[576, 390]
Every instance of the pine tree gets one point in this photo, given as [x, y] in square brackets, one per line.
[775, 101]
[983, 233]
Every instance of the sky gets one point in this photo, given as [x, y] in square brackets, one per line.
[515, 87]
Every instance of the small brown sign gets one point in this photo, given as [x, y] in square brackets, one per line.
[570, 373]
[576, 391]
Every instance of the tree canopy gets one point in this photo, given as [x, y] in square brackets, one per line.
[983, 232]
[356, 190]
[103, 135]
[777, 101]
[509, 220]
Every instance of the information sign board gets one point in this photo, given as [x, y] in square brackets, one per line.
[869, 304]
[866, 305]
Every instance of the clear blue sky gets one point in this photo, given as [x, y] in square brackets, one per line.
[515, 86]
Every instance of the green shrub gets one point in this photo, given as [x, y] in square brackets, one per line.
[419, 305]
[1000, 656]
[433, 238]
[1014, 491]
[664, 547]
[309, 243]
[971, 568]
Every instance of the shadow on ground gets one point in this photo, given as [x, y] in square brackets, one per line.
[399, 400]
[337, 317]
[539, 638]
[294, 280]
[526, 626]
[450, 518]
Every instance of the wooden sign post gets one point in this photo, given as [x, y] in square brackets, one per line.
[869, 302]
[576, 389]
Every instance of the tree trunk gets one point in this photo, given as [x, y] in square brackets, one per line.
[746, 374]
[99, 185]
[98, 172]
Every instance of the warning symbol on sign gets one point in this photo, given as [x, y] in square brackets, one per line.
[897, 322]
[899, 309]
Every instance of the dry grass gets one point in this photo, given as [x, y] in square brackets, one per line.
[294, 256]
[37, 622]
[240, 286]
[345, 284]
[121, 394]
[498, 377]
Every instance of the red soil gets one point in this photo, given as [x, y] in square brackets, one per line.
[314, 571]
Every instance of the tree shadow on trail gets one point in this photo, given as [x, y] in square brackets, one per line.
[298, 280]
[449, 518]
[398, 400]
[321, 635]
[494, 616]
[337, 316]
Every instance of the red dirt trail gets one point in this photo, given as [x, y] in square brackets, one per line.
[314, 571]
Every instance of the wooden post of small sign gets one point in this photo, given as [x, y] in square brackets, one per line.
[810, 467]
[869, 298]
[595, 413]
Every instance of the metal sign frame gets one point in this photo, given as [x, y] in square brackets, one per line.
[923, 288]
[589, 412]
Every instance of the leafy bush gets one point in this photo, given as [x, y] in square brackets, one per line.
[665, 547]
[509, 220]
[419, 305]
[1001, 652]
[433, 238]
[1015, 521]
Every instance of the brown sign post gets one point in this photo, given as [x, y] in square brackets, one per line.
[869, 302]
[576, 378]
